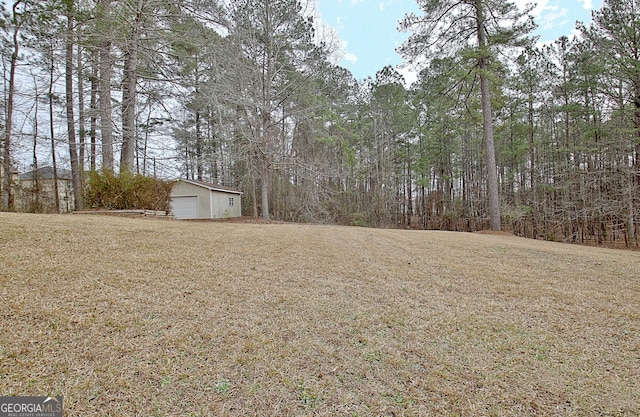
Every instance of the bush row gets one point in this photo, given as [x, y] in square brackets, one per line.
[126, 192]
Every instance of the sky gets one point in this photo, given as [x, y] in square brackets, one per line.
[368, 35]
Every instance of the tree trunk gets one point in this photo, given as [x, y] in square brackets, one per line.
[262, 153]
[106, 128]
[199, 170]
[129, 82]
[254, 197]
[36, 207]
[52, 133]
[93, 110]
[631, 225]
[76, 175]
[265, 191]
[487, 125]
[7, 201]
[82, 131]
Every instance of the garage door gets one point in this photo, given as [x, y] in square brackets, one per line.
[185, 207]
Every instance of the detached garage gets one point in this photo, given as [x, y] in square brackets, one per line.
[198, 200]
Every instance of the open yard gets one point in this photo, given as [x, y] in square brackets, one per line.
[144, 317]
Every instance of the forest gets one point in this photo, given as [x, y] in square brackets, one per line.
[498, 132]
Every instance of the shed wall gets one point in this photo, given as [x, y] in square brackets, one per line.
[225, 205]
[183, 189]
[212, 204]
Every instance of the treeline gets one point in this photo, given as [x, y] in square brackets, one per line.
[248, 95]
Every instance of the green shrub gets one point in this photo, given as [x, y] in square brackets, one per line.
[126, 192]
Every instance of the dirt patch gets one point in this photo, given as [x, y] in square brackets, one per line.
[131, 317]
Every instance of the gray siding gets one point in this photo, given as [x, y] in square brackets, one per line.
[183, 189]
[212, 204]
[223, 207]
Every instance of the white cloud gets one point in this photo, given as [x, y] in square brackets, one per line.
[390, 6]
[550, 20]
[354, 2]
[408, 73]
[539, 8]
[350, 57]
[575, 33]
[587, 4]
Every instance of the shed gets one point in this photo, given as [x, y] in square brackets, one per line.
[192, 199]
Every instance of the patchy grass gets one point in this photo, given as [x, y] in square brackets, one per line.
[141, 317]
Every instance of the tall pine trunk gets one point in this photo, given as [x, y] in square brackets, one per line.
[264, 157]
[52, 131]
[106, 128]
[7, 200]
[129, 82]
[487, 122]
[265, 191]
[93, 112]
[76, 175]
[82, 131]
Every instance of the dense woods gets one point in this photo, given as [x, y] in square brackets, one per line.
[497, 131]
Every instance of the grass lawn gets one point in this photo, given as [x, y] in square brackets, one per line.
[145, 317]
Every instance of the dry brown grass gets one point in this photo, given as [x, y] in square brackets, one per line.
[139, 317]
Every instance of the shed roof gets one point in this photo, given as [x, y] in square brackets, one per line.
[211, 187]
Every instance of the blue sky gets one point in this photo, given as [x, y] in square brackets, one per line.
[368, 28]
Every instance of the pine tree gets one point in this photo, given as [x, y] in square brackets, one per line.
[477, 29]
